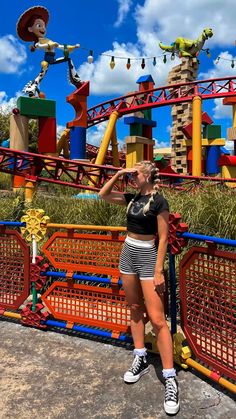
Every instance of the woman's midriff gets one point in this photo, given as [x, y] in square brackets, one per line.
[144, 237]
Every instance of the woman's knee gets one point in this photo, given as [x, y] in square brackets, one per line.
[158, 323]
[137, 310]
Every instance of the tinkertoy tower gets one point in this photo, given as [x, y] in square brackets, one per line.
[181, 113]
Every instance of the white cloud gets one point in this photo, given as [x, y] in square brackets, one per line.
[104, 80]
[12, 54]
[95, 134]
[161, 144]
[187, 19]
[60, 129]
[220, 69]
[229, 145]
[6, 103]
[221, 111]
[123, 10]
[119, 81]
[155, 21]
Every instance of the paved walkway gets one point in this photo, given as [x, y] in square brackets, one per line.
[54, 375]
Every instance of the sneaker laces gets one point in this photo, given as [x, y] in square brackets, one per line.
[171, 390]
[136, 363]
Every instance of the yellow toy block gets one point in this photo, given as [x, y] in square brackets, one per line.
[134, 154]
[231, 134]
[135, 139]
[229, 172]
[206, 142]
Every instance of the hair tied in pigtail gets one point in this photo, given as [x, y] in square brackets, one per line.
[132, 201]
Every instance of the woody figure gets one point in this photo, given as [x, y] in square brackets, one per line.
[31, 26]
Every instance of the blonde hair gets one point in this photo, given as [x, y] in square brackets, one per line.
[148, 168]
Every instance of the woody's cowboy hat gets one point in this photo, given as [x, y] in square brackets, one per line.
[24, 21]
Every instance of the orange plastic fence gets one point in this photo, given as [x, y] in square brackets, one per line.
[96, 306]
[208, 302]
[90, 305]
[14, 269]
[93, 253]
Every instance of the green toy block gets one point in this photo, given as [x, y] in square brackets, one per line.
[136, 129]
[36, 107]
[147, 114]
[212, 131]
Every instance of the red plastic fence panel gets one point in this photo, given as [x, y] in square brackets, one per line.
[93, 253]
[208, 305]
[14, 269]
[96, 306]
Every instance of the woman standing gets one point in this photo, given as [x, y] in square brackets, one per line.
[142, 271]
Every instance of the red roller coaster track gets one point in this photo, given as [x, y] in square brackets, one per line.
[162, 96]
[92, 151]
[41, 168]
[86, 176]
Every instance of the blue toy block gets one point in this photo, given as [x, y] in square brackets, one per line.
[213, 155]
[224, 150]
[145, 79]
[129, 120]
[77, 143]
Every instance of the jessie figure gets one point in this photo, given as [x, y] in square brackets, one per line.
[31, 26]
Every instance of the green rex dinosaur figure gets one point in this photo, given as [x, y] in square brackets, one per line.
[188, 47]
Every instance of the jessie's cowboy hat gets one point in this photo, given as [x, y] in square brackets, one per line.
[23, 22]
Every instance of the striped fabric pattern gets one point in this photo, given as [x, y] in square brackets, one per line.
[138, 258]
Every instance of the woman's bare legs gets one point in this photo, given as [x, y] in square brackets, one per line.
[155, 309]
[134, 297]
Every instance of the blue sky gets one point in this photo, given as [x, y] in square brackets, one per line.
[123, 28]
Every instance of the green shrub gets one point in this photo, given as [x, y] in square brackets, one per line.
[209, 210]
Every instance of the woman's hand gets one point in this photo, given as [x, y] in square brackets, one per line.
[159, 283]
[127, 171]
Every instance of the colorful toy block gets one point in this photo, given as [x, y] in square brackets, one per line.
[228, 168]
[78, 100]
[212, 131]
[206, 142]
[47, 137]
[145, 82]
[35, 108]
[187, 129]
[77, 143]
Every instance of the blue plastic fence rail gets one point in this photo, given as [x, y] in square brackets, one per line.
[83, 329]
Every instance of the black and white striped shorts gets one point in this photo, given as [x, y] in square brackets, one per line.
[138, 257]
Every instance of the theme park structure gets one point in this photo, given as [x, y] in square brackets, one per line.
[30, 168]
[73, 282]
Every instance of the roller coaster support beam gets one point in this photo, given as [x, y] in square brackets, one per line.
[107, 137]
[197, 136]
[109, 132]
[115, 151]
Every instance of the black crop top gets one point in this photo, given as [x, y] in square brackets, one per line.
[144, 224]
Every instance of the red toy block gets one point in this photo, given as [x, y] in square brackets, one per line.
[47, 142]
[187, 129]
[147, 132]
[226, 160]
[229, 100]
[146, 86]
[78, 100]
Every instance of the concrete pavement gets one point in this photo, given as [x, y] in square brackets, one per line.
[59, 375]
